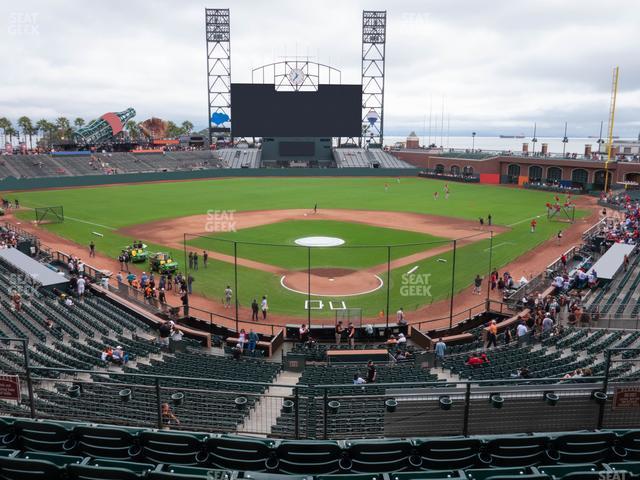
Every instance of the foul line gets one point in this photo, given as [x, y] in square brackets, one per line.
[499, 245]
[525, 220]
[80, 220]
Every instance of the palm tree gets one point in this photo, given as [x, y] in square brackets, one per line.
[64, 127]
[5, 124]
[187, 127]
[173, 130]
[26, 126]
[12, 132]
[42, 126]
[79, 122]
[132, 129]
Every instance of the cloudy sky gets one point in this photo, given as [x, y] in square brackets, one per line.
[499, 65]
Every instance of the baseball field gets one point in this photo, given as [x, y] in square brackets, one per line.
[250, 226]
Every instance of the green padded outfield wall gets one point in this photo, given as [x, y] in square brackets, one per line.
[11, 183]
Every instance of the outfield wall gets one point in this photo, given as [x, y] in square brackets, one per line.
[10, 183]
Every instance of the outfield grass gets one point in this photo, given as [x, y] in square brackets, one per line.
[106, 209]
[283, 252]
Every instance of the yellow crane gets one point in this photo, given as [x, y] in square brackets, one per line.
[612, 114]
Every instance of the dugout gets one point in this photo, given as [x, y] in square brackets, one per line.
[36, 271]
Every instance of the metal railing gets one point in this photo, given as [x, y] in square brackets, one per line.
[323, 410]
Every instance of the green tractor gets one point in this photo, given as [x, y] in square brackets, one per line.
[137, 252]
[162, 262]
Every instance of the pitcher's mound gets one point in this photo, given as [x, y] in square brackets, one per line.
[332, 282]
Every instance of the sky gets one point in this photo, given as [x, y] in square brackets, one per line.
[497, 65]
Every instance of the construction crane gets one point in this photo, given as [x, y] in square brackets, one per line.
[612, 114]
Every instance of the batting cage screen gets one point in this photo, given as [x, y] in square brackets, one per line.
[349, 315]
[49, 214]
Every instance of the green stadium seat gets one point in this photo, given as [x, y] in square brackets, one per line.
[515, 451]
[136, 467]
[240, 453]
[309, 457]
[484, 473]
[197, 472]
[90, 472]
[532, 476]
[351, 476]
[23, 469]
[445, 453]
[165, 447]
[55, 458]
[37, 436]
[562, 470]
[178, 476]
[631, 467]
[271, 476]
[590, 447]
[435, 475]
[628, 445]
[380, 456]
[102, 442]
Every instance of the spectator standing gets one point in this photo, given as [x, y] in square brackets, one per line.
[351, 335]
[254, 310]
[492, 334]
[339, 329]
[168, 417]
[80, 286]
[303, 333]
[440, 351]
[522, 331]
[264, 306]
[477, 285]
[228, 293]
[253, 341]
[371, 372]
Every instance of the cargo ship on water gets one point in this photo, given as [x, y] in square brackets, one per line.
[512, 136]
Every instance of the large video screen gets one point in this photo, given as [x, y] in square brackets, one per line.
[258, 110]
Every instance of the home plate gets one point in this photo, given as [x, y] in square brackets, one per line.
[331, 279]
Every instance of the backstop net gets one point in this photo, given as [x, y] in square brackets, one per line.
[49, 214]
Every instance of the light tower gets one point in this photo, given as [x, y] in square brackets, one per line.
[374, 36]
[218, 41]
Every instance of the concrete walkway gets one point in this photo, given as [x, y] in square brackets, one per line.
[268, 407]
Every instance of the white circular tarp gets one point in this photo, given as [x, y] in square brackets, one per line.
[319, 241]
